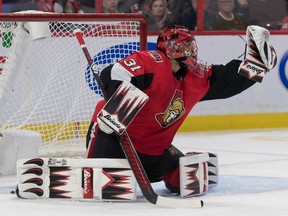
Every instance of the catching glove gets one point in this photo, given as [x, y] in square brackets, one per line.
[260, 56]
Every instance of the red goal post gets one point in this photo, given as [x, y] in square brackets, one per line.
[45, 83]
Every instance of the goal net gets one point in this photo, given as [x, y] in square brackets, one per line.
[46, 85]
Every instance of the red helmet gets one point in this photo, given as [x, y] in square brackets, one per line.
[178, 43]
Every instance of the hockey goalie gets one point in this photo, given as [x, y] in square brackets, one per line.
[173, 80]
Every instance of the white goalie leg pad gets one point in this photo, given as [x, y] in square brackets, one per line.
[198, 173]
[213, 171]
[66, 178]
[193, 174]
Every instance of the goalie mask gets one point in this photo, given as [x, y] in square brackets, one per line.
[178, 43]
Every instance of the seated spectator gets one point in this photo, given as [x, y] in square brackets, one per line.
[88, 6]
[285, 20]
[242, 7]
[54, 6]
[227, 19]
[177, 7]
[158, 16]
[110, 6]
[189, 16]
[72, 6]
[133, 6]
[285, 23]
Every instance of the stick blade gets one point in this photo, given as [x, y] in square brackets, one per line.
[178, 203]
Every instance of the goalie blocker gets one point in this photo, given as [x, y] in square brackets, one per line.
[121, 108]
[66, 178]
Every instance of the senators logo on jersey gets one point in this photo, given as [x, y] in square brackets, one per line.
[174, 111]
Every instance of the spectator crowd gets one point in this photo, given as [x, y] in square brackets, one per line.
[218, 14]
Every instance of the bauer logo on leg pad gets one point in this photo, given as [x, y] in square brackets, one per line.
[87, 183]
[122, 107]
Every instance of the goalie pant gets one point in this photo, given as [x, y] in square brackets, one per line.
[104, 179]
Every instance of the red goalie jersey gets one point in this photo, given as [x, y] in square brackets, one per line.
[154, 128]
[171, 95]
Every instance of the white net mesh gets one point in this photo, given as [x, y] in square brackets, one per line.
[45, 82]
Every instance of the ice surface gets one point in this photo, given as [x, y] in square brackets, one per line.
[253, 181]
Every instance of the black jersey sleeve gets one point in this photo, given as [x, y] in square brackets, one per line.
[142, 81]
[225, 81]
[110, 86]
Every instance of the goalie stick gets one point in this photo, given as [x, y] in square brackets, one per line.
[131, 155]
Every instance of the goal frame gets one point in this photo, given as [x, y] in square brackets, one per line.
[17, 17]
[28, 16]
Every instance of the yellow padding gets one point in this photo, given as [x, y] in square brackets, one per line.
[60, 131]
[231, 122]
[72, 130]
